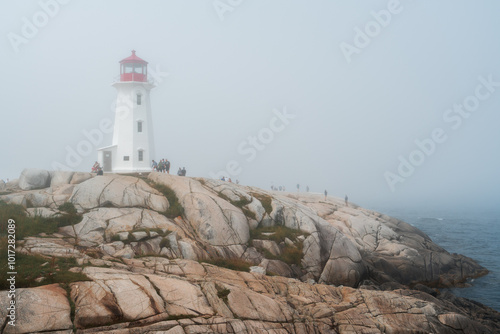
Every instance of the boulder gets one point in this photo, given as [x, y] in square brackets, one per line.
[181, 297]
[277, 267]
[127, 252]
[117, 191]
[112, 248]
[215, 220]
[49, 198]
[95, 303]
[258, 270]
[247, 304]
[58, 178]
[55, 246]
[32, 178]
[268, 245]
[41, 309]
[139, 235]
[79, 177]
[134, 296]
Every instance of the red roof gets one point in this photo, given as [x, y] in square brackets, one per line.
[133, 59]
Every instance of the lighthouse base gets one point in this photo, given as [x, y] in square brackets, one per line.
[112, 161]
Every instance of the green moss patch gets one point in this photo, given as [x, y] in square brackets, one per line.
[265, 200]
[289, 254]
[276, 233]
[31, 267]
[175, 209]
[31, 226]
[222, 293]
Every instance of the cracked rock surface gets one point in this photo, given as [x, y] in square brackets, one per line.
[157, 295]
[357, 271]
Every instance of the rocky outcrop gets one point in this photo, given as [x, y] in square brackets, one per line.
[38, 309]
[181, 296]
[34, 179]
[330, 264]
[125, 216]
[215, 220]
[12, 185]
[43, 198]
[343, 245]
[117, 191]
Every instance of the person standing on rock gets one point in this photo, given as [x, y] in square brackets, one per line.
[183, 171]
[179, 172]
[326, 194]
[96, 167]
[167, 166]
[154, 166]
[346, 200]
[164, 166]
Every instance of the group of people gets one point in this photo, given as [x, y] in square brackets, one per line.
[228, 179]
[162, 166]
[97, 169]
[282, 188]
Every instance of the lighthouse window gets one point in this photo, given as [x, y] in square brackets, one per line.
[139, 126]
[126, 158]
[139, 99]
[140, 155]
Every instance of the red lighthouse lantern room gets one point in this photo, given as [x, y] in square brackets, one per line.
[133, 68]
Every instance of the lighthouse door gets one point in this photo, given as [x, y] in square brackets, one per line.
[107, 161]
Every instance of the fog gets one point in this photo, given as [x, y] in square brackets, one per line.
[369, 93]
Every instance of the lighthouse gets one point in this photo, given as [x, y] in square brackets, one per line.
[132, 148]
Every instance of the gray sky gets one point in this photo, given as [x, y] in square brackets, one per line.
[359, 101]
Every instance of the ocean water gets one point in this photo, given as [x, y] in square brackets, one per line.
[476, 235]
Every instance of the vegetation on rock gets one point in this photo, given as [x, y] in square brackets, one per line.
[175, 209]
[30, 226]
[290, 254]
[241, 203]
[265, 200]
[38, 270]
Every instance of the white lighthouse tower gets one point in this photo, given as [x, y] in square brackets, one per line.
[133, 144]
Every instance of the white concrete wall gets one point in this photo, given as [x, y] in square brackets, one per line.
[127, 139]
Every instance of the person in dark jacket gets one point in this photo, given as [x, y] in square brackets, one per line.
[167, 166]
